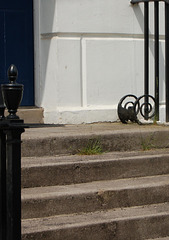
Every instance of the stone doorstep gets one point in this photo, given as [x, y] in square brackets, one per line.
[30, 114]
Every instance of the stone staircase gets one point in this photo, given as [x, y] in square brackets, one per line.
[113, 196]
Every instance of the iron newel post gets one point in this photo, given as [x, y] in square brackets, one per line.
[11, 128]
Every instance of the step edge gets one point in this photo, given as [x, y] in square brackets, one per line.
[94, 187]
[70, 162]
[98, 215]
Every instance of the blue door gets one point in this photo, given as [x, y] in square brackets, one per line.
[16, 44]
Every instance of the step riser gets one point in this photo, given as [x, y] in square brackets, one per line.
[110, 142]
[94, 171]
[128, 189]
[133, 229]
[102, 200]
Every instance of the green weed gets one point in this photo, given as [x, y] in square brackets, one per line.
[93, 147]
[147, 143]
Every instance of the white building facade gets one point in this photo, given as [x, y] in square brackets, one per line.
[88, 54]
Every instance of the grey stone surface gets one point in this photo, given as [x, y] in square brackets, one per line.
[122, 194]
[56, 170]
[69, 139]
[94, 196]
[129, 223]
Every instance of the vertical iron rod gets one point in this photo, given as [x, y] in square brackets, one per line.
[156, 57]
[167, 58]
[13, 151]
[146, 56]
[2, 185]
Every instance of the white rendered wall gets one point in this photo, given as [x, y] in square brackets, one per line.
[88, 55]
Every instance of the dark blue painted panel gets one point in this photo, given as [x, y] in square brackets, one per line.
[16, 44]
[11, 4]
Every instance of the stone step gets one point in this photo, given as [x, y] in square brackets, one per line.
[50, 141]
[118, 224]
[30, 114]
[118, 195]
[64, 170]
[161, 238]
[94, 196]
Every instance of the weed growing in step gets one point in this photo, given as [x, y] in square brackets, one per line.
[93, 147]
[147, 143]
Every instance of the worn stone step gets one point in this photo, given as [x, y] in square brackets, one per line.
[58, 170]
[70, 139]
[33, 115]
[94, 196]
[161, 238]
[128, 223]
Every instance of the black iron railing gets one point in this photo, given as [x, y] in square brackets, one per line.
[147, 105]
[11, 128]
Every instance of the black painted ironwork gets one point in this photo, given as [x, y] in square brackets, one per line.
[130, 107]
[11, 128]
[145, 108]
[126, 109]
[12, 93]
[147, 105]
[146, 56]
[2, 185]
[156, 58]
[139, 1]
[167, 58]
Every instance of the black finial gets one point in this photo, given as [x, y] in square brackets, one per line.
[12, 93]
[12, 73]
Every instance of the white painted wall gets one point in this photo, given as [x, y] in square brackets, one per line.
[88, 54]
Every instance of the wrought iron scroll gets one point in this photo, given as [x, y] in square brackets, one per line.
[130, 107]
[126, 109]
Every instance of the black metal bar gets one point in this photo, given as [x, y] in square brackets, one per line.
[139, 1]
[146, 48]
[11, 128]
[146, 56]
[167, 58]
[13, 183]
[156, 57]
[2, 185]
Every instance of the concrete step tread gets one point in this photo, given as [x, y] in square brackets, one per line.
[62, 170]
[94, 196]
[92, 129]
[78, 220]
[112, 137]
[111, 156]
[161, 238]
[95, 187]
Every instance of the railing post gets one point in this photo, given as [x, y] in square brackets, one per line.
[146, 56]
[2, 185]
[11, 129]
[167, 58]
[13, 181]
[156, 57]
